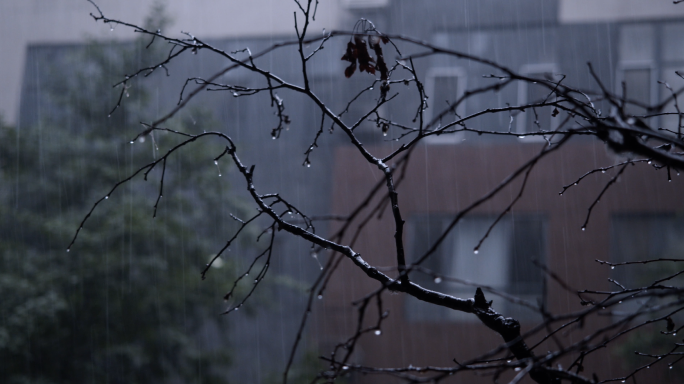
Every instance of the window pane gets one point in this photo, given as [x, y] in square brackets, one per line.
[425, 231]
[537, 93]
[638, 84]
[636, 43]
[668, 75]
[528, 245]
[444, 93]
[490, 265]
[673, 43]
[643, 237]
[646, 237]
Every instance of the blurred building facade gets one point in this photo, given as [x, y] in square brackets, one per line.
[632, 41]
[635, 42]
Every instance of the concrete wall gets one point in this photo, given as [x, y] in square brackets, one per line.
[584, 11]
[24, 22]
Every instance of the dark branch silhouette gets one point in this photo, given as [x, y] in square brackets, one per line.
[377, 53]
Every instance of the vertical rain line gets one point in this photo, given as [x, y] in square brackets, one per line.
[130, 221]
[182, 247]
[106, 316]
[427, 191]
[41, 158]
[610, 56]
[543, 26]
[16, 168]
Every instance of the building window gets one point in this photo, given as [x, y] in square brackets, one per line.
[672, 60]
[503, 262]
[671, 120]
[636, 66]
[637, 237]
[443, 87]
[536, 119]
[639, 81]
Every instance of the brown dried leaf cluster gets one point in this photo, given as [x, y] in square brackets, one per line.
[357, 51]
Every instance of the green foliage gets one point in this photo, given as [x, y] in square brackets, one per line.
[650, 341]
[126, 304]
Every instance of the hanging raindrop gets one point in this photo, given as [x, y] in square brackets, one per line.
[378, 332]
[106, 197]
[612, 267]
[320, 297]
[438, 280]
[476, 251]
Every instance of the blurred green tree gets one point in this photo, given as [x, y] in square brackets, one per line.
[127, 304]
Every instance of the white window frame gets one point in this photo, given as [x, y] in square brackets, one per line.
[364, 4]
[460, 74]
[521, 123]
